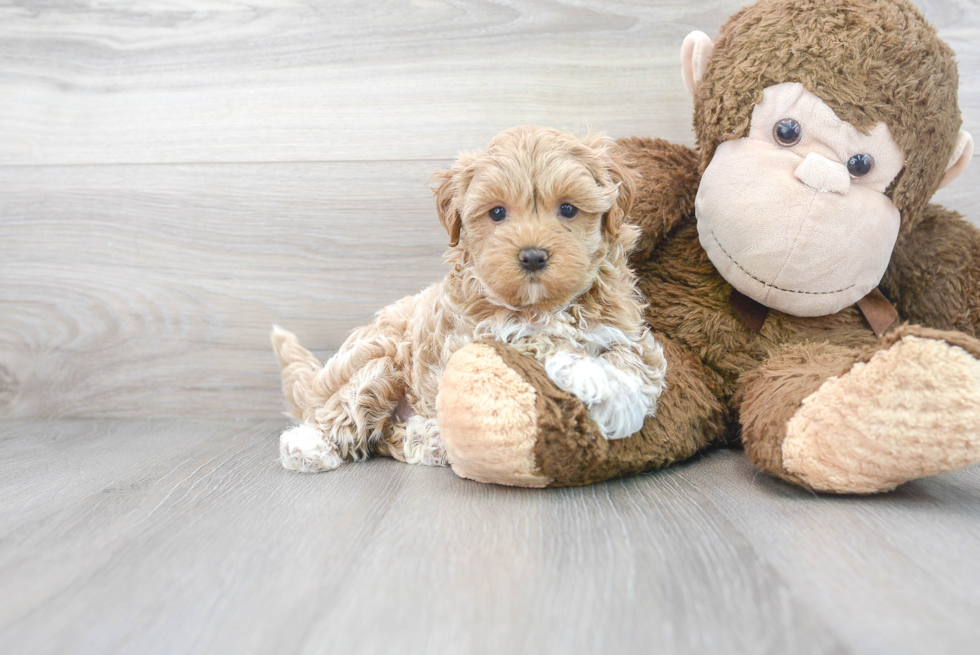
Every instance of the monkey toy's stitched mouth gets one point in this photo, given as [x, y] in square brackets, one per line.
[770, 285]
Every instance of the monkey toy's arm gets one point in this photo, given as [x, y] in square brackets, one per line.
[667, 183]
[504, 421]
[934, 275]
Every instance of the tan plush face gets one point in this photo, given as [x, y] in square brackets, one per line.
[794, 215]
[536, 214]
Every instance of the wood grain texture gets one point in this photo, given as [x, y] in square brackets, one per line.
[175, 177]
[915, 547]
[180, 536]
[145, 290]
[263, 80]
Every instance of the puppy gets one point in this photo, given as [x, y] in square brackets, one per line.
[538, 253]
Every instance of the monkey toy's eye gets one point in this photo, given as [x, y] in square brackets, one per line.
[860, 165]
[498, 214]
[787, 132]
[568, 211]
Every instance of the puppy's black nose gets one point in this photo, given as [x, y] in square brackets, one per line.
[533, 259]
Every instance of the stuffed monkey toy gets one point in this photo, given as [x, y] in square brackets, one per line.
[810, 301]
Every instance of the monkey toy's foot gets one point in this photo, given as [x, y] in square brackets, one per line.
[909, 410]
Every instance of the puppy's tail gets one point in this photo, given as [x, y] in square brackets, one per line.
[299, 370]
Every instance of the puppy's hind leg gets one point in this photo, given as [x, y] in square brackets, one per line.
[302, 448]
[346, 424]
[345, 406]
[356, 416]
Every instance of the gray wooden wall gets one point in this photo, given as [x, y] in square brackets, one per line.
[177, 176]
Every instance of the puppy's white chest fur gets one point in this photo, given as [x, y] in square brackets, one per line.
[552, 332]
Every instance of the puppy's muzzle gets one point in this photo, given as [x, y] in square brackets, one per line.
[533, 259]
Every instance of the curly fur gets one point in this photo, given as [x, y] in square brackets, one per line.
[584, 301]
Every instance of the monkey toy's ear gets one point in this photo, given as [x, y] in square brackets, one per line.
[695, 55]
[960, 159]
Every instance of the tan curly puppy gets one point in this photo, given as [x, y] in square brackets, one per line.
[538, 246]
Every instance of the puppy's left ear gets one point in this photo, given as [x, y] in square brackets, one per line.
[617, 217]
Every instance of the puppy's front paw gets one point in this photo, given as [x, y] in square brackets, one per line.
[580, 375]
[303, 448]
[622, 414]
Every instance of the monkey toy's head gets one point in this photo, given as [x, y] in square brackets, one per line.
[824, 127]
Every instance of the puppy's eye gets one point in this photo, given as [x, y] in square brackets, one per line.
[498, 214]
[568, 211]
[787, 132]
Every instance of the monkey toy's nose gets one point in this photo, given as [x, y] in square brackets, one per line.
[818, 172]
[533, 259]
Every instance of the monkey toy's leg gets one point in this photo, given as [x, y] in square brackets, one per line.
[844, 420]
[504, 421]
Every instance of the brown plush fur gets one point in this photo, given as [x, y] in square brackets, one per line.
[714, 378]
[870, 62]
[689, 302]
[934, 277]
[957, 339]
[660, 201]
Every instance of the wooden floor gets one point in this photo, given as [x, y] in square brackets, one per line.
[125, 536]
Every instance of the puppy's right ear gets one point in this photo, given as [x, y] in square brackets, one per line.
[446, 205]
[451, 186]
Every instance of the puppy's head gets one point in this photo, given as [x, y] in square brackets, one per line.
[537, 214]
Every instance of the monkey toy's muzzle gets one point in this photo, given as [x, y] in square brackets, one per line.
[790, 232]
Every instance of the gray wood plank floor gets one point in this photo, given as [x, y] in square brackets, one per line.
[127, 536]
